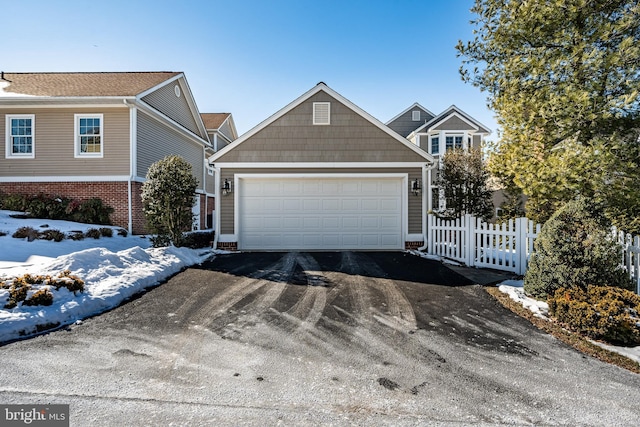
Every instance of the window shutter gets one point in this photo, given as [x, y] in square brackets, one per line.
[321, 113]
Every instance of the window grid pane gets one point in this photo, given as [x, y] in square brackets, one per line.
[435, 145]
[21, 136]
[90, 138]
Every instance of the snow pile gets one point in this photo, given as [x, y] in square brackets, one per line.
[113, 269]
[515, 290]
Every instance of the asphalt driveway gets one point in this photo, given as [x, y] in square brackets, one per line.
[316, 339]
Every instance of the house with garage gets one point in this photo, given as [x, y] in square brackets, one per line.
[435, 134]
[84, 135]
[321, 174]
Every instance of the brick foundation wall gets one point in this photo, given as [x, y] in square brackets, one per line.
[138, 221]
[413, 245]
[114, 194]
[228, 246]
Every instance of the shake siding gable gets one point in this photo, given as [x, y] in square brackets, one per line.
[293, 138]
[177, 108]
[55, 142]
[156, 141]
[405, 124]
[454, 123]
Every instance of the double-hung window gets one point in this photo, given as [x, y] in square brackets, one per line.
[453, 142]
[435, 145]
[20, 141]
[89, 135]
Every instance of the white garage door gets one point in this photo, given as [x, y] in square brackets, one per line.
[320, 213]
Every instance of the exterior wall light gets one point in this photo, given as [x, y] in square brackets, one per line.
[227, 187]
[416, 187]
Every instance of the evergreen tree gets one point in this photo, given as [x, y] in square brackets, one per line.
[464, 179]
[563, 77]
[168, 197]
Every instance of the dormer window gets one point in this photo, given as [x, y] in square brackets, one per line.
[415, 116]
[321, 113]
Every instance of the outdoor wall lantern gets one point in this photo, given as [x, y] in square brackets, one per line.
[227, 187]
[416, 187]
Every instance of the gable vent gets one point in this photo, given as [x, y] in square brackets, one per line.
[415, 116]
[321, 113]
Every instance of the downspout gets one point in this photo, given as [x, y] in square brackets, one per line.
[426, 187]
[216, 207]
[132, 163]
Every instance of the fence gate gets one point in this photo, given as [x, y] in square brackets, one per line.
[476, 243]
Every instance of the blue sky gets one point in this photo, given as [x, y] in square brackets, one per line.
[252, 57]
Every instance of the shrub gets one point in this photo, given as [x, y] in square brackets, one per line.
[67, 280]
[40, 297]
[160, 241]
[43, 206]
[92, 211]
[122, 232]
[15, 202]
[168, 196]
[106, 232]
[574, 250]
[76, 235]
[198, 239]
[93, 232]
[55, 235]
[599, 312]
[17, 292]
[29, 232]
[3, 233]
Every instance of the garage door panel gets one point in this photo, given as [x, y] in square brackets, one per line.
[320, 213]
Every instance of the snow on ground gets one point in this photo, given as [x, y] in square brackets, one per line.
[515, 290]
[113, 269]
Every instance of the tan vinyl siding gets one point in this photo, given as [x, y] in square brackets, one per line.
[54, 144]
[454, 123]
[476, 142]
[349, 138]
[227, 208]
[176, 108]
[156, 141]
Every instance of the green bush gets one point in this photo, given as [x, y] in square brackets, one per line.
[600, 312]
[55, 235]
[122, 232]
[198, 239]
[44, 206]
[93, 233]
[76, 235]
[15, 202]
[26, 232]
[93, 211]
[575, 250]
[106, 232]
[160, 241]
[40, 297]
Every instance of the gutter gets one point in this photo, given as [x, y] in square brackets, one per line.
[425, 168]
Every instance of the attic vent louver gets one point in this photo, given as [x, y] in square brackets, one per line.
[321, 113]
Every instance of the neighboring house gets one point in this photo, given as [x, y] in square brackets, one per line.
[221, 129]
[321, 174]
[436, 134]
[83, 135]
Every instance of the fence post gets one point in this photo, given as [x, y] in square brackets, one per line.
[521, 244]
[430, 234]
[470, 228]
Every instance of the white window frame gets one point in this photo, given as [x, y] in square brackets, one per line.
[415, 115]
[9, 154]
[77, 152]
[316, 119]
[431, 137]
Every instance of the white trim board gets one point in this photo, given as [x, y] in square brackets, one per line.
[319, 165]
[404, 209]
[88, 178]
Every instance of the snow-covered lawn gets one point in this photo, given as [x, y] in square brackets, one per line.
[113, 269]
[514, 288]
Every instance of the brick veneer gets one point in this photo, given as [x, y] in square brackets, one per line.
[228, 246]
[413, 245]
[114, 194]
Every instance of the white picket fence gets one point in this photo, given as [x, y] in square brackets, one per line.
[506, 246]
[476, 243]
[630, 254]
